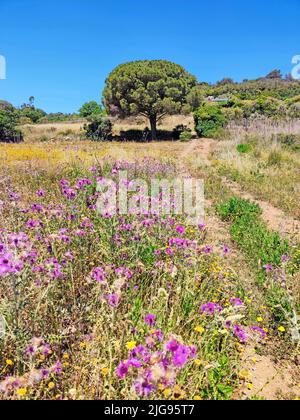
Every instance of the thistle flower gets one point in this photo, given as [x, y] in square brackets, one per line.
[240, 333]
[122, 370]
[150, 320]
[211, 308]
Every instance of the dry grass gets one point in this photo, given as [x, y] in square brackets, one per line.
[270, 170]
[74, 131]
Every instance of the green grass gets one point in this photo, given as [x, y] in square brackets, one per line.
[261, 248]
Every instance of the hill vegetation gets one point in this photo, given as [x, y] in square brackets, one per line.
[155, 89]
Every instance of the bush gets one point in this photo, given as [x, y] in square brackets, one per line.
[209, 119]
[236, 208]
[8, 123]
[186, 136]
[179, 129]
[32, 113]
[98, 128]
[58, 117]
[289, 140]
[25, 121]
[244, 148]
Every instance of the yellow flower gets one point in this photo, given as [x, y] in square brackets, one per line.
[131, 345]
[200, 330]
[105, 371]
[197, 398]
[250, 386]
[244, 374]
[198, 362]
[66, 356]
[51, 385]
[9, 362]
[178, 394]
[281, 329]
[22, 392]
[266, 330]
[259, 319]
[167, 393]
[83, 345]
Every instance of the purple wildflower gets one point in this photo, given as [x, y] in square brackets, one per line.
[240, 333]
[150, 320]
[122, 370]
[211, 308]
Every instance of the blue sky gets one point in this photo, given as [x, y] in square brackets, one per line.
[61, 51]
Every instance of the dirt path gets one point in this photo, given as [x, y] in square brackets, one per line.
[264, 378]
[275, 218]
[268, 380]
[201, 151]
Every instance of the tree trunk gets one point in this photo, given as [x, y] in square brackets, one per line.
[153, 124]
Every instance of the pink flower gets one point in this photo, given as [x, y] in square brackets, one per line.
[180, 229]
[150, 320]
[122, 370]
[98, 274]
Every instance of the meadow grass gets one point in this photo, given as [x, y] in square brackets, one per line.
[129, 307]
[268, 169]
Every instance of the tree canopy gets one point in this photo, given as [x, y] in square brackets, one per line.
[90, 108]
[149, 88]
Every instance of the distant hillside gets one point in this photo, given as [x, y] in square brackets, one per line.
[251, 89]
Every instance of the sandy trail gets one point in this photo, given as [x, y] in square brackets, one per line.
[276, 219]
[268, 380]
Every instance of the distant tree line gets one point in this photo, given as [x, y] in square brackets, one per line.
[157, 88]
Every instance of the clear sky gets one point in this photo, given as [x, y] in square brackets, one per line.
[61, 51]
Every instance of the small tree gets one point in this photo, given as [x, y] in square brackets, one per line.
[90, 108]
[149, 88]
[8, 124]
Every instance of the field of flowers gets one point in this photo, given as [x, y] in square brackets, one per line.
[115, 307]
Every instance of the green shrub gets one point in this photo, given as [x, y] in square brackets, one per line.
[8, 124]
[244, 148]
[208, 120]
[98, 128]
[58, 117]
[179, 129]
[236, 208]
[32, 113]
[186, 136]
